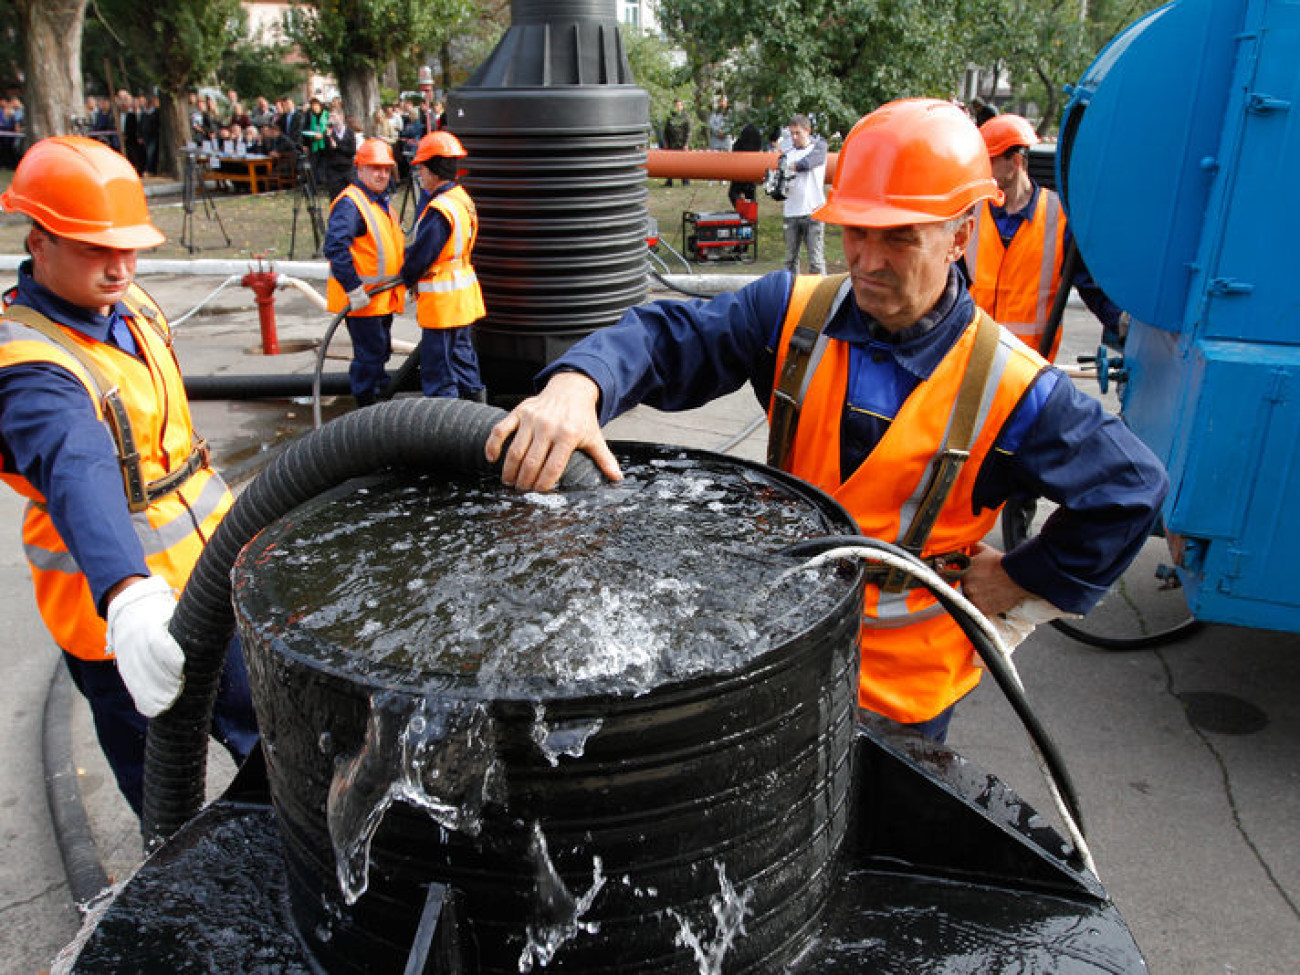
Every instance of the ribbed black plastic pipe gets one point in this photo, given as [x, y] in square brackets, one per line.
[556, 132]
[436, 435]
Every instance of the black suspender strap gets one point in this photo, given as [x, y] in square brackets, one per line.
[787, 396]
[956, 446]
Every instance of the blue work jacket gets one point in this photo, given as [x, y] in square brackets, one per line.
[1058, 444]
[49, 433]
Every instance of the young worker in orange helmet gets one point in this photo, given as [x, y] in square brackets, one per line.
[448, 299]
[889, 350]
[1017, 251]
[95, 430]
[364, 244]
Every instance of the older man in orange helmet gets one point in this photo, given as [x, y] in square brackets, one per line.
[1016, 256]
[860, 374]
[95, 431]
[364, 244]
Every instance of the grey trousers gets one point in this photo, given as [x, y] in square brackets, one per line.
[797, 231]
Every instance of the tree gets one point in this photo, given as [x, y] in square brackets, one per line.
[835, 58]
[354, 39]
[176, 46]
[255, 67]
[52, 59]
[652, 68]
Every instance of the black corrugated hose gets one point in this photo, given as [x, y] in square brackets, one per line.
[432, 435]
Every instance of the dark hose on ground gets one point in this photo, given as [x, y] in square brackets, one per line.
[984, 646]
[386, 285]
[441, 436]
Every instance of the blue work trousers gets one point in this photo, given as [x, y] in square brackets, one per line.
[121, 728]
[371, 345]
[448, 363]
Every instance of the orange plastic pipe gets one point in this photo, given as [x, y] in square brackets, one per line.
[743, 167]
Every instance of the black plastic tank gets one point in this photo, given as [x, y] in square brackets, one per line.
[672, 793]
[556, 132]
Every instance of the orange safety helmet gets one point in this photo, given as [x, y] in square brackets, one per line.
[918, 160]
[1003, 132]
[81, 189]
[438, 144]
[374, 152]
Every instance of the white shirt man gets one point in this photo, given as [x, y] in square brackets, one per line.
[805, 161]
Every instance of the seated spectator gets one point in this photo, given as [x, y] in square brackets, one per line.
[253, 141]
[261, 115]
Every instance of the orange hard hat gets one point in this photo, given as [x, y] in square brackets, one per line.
[438, 144]
[918, 160]
[374, 152]
[81, 189]
[1003, 132]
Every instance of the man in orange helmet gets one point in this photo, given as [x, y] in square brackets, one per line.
[861, 374]
[364, 245]
[1017, 252]
[95, 431]
[448, 299]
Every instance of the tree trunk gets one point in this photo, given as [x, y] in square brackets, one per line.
[52, 55]
[173, 131]
[359, 89]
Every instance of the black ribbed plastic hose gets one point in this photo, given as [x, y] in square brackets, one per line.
[443, 436]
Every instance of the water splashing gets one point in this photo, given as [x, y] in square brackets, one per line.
[558, 915]
[437, 754]
[729, 910]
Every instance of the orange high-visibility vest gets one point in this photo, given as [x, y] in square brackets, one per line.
[915, 659]
[1017, 284]
[448, 293]
[376, 255]
[172, 528]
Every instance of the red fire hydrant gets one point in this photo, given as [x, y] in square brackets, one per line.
[262, 281]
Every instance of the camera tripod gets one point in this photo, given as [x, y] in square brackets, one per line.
[192, 187]
[410, 195]
[307, 197]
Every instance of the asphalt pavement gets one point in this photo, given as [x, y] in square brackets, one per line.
[1184, 756]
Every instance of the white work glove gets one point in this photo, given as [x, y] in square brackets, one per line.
[149, 659]
[358, 298]
[1015, 625]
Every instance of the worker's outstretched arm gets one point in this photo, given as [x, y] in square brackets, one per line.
[547, 429]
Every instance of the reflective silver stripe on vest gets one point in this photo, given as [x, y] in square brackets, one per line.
[12, 331]
[381, 256]
[152, 540]
[155, 540]
[459, 279]
[893, 613]
[46, 560]
[462, 277]
[1048, 266]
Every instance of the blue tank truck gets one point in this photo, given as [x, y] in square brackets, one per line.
[1178, 165]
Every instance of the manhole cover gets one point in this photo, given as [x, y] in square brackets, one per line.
[1223, 714]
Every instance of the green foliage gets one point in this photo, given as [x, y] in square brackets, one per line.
[651, 60]
[835, 58]
[343, 36]
[254, 68]
[175, 45]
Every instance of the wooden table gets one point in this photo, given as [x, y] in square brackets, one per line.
[239, 169]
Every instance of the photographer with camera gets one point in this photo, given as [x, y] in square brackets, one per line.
[804, 164]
